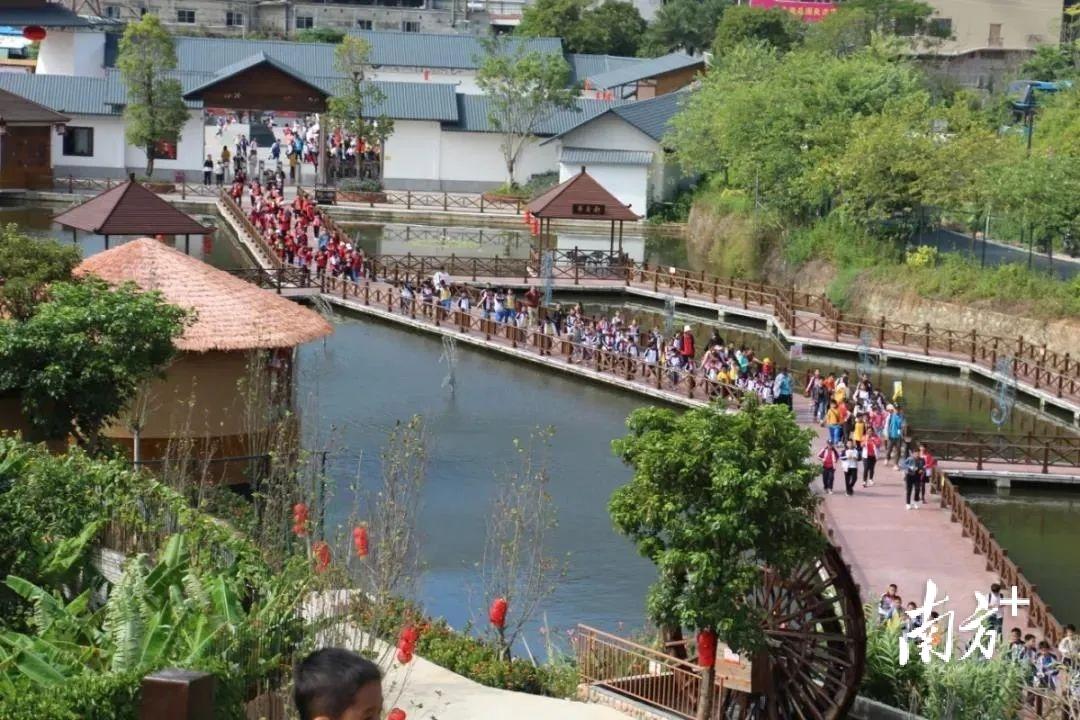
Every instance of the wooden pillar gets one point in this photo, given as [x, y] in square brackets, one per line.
[106, 242]
[620, 238]
[611, 242]
[187, 244]
[74, 236]
[173, 694]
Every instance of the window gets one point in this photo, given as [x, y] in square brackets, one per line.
[995, 35]
[941, 27]
[79, 141]
[234, 19]
[410, 26]
[164, 150]
[305, 22]
[363, 24]
[112, 12]
[185, 16]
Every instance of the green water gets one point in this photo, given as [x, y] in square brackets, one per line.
[1040, 527]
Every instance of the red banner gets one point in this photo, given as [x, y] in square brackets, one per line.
[808, 10]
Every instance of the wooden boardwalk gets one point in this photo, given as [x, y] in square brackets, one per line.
[884, 542]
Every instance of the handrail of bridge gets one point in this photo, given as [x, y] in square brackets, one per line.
[183, 189]
[997, 558]
[267, 254]
[638, 672]
[1044, 451]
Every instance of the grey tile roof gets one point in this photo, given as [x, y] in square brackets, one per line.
[438, 50]
[417, 101]
[652, 116]
[259, 58]
[643, 69]
[584, 66]
[474, 115]
[589, 156]
[398, 49]
[63, 93]
[48, 15]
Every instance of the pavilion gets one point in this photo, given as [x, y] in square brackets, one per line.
[235, 362]
[130, 209]
[581, 197]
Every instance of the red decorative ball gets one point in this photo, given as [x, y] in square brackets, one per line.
[396, 714]
[34, 33]
[404, 656]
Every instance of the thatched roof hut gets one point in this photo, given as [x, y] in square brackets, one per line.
[230, 314]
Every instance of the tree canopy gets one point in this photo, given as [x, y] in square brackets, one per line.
[714, 496]
[351, 107]
[27, 267]
[773, 26]
[78, 359]
[155, 110]
[688, 25]
[523, 88]
[613, 27]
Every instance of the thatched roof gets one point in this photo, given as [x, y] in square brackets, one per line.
[129, 209]
[230, 314]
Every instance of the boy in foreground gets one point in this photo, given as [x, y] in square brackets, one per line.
[336, 684]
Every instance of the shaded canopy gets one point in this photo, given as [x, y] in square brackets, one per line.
[230, 314]
[129, 209]
[580, 198]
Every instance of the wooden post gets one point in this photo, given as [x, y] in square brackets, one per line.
[174, 694]
[1020, 346]
[836, 326]
[926, 340]
[881, 333]
[974, 342]
[408, 199]
[445, 203]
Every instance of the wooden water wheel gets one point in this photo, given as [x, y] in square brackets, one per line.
[816, 637]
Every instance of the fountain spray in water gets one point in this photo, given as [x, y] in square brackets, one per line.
[449, 356]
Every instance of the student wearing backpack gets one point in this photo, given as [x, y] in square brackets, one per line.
[912, 465]
[829, 459]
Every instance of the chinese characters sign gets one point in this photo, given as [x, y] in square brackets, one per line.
[806, 9]
[931, 632]
[588, 209]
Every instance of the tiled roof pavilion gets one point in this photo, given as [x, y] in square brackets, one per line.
[129, 209]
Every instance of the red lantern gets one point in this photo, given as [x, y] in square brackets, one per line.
[34, 33]
[409, 634]
[360, 541]
[404, 655]
[321, 551]
[300, 518]
[497, 612]
[207, 244]
[396, 714]
[706, 648]
[528, 217]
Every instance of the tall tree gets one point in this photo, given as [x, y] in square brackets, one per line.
[523, 88]
[81, 356]
[614, 27]
[552, 18]
[688, 25]
[27, 267]
[714, 497]
[742, 23]
[155, 110]
[352, 108]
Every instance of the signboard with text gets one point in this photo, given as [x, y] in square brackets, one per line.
[806, 9]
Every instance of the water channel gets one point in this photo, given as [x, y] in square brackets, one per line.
[368, 375]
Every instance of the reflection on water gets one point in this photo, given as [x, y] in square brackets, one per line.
[1040, 527]
[370, 375]
[220, 250]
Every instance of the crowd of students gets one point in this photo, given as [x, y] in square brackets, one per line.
[1045, 666]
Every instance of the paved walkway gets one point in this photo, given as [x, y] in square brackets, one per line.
[882, 541]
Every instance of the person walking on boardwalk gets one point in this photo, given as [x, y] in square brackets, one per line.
[912, 465]
[851, 467]
[832, 422]
[894, 434]
[782, 388]
[871, 444]
[829, 460]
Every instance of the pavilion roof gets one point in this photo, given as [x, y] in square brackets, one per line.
[241, 66]
[21, 13]
[580, 198]
[129, 209]
[17, 110]
[230, 314]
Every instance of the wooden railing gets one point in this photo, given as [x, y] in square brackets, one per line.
[997, 559]
[1043, 451]
[267, 256]
[70, 184]
[640, 673]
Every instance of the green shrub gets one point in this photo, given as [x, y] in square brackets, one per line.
[973, 689]
[110, 696]
[884, 679]
[922, 256]
[361, 185]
